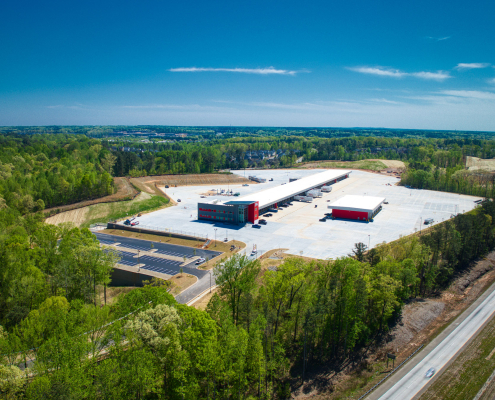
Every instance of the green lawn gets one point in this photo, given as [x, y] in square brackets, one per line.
[363, 164]
[118, 210]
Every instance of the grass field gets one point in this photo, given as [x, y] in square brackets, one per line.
[114, 211]
[467, 374]
[104, 212]
[372, 165]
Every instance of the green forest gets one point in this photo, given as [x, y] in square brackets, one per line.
[264, 331]
[259, 337]
[43, 171]
[47, 170]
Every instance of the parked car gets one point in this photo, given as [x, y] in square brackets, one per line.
[262, 222]
[271, 179]
[328, 214]
[322, 219]
[134, 223]
[166, 186]
[257, 226]
[179, 200]
[385, 202]
[200, 261]
[430, 373]
[245, 184]
[429, 221]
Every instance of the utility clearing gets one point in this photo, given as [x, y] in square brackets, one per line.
[106, 211]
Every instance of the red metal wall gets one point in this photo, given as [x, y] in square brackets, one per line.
[253, 212]
[347, 214]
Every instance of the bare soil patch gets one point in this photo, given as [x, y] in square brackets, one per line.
[202, 303]
[421, 321]
[149, 183]
[477, 164]
[181, 282]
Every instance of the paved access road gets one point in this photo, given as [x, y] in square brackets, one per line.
[414, 381]
[169, 267]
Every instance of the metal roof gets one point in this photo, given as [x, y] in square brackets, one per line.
[278, 193]
[359, 203]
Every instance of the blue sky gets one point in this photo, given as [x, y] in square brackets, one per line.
[424, 65]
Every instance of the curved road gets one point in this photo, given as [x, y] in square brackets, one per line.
[439, 352]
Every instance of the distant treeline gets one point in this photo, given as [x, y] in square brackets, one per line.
[210, 132]
[54, 169]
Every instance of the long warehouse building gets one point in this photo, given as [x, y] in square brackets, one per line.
[249, 207]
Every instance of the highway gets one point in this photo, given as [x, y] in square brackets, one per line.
[438, 357]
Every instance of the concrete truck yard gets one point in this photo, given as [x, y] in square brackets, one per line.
[297, 228]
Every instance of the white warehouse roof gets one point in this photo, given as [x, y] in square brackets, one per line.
[357, 203]
[275, 194]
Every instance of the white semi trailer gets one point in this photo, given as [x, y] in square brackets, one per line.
[307, 199]
[314, 193]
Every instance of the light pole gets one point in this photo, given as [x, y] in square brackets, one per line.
[215, 237]
[369, 241]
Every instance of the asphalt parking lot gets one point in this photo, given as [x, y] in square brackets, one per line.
[169, 267]
[298, 229]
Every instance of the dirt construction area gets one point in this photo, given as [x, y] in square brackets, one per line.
[147, 183]
[476, 164]
[81, 215]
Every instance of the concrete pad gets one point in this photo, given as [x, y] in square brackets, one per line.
[298, 227]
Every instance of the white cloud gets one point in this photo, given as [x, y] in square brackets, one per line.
[462, 66]
[386, 101]
[470, 94]
[437, 76]
[492, 81]
[395, 73]
[259, 71]
[438, 39]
